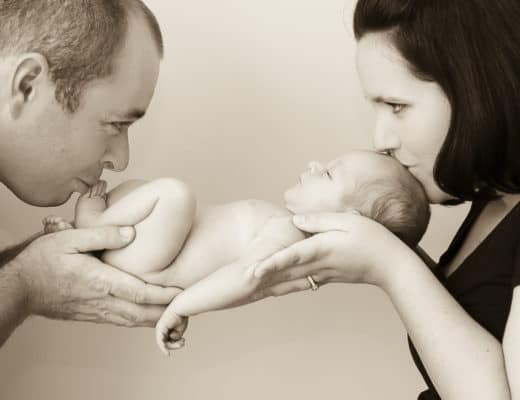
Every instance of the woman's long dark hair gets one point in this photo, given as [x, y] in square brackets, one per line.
[471, 48]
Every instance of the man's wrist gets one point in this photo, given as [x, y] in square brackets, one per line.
[9, 253]
[13, 299]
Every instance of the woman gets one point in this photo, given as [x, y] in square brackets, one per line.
[443, 78]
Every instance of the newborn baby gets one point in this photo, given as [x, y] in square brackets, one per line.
[212, 254]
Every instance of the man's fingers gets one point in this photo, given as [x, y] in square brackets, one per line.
[94, 239]
[117, 312]
[133, 315]
[318, 223]
[129, 288]
[108, 280]
[302, 252]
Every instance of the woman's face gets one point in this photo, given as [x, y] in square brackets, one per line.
[412, 116]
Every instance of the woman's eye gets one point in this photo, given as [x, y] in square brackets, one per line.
[397, 107]
[328, 174]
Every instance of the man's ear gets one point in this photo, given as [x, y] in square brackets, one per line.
[30, 75]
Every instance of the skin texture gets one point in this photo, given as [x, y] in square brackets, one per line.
[47, 155]
[412, 118]
[68, 152]
[333, 187]
[211, 255]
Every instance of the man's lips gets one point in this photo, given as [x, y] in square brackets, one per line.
[89, 182]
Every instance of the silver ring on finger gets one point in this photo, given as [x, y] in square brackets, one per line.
[314, 285]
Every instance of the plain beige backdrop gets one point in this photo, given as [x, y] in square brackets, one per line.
[249, 92]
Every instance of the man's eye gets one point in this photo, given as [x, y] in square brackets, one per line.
[328, 174]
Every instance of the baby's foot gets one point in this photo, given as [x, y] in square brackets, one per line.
[96, 192]
[90, 205]
[52, 224]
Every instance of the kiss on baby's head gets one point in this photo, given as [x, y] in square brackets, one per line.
[169, 246]
[374, 184]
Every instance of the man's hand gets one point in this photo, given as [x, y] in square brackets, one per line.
[62, 281]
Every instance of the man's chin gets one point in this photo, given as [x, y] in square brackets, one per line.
[44, 201]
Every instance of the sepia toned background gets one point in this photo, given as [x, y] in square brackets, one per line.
[249, 92]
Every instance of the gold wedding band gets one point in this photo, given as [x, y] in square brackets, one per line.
[314, 286]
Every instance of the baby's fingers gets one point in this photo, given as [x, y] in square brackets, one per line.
[299, 253]
[175, 344]
[169, 330]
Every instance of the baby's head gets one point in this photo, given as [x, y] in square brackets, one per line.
[374, 184]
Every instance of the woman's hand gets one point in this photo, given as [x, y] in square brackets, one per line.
[346, 247]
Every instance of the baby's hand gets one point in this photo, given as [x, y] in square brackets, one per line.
[169, 331]
[52, 224]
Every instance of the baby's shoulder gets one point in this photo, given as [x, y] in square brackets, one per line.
[255, 216]
[258, 212]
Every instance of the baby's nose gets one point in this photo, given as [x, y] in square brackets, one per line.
[315, 166]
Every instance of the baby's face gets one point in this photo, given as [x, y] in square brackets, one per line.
[327, 188]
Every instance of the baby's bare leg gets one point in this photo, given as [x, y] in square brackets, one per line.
[162, 212]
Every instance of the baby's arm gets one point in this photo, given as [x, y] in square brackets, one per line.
[228, 285]
[161, 211]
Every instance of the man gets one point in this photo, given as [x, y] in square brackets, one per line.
[75, 75]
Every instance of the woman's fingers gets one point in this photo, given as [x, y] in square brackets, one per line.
[323, 222]
[310, 249]
[283, 288]
[302, 252]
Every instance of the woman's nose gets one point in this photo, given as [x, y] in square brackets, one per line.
[315, 167]
[385, 138]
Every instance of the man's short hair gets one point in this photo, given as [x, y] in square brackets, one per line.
[79, 38]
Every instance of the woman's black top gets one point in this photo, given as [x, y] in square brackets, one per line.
[483, 284]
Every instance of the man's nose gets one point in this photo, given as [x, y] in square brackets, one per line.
[315, 167]
[116, 157]
[385, 138]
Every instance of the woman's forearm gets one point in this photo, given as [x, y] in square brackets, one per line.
[463, 359]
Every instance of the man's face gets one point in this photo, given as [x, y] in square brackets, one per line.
[55, 153]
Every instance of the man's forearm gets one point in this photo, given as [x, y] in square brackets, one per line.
[13, 306]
